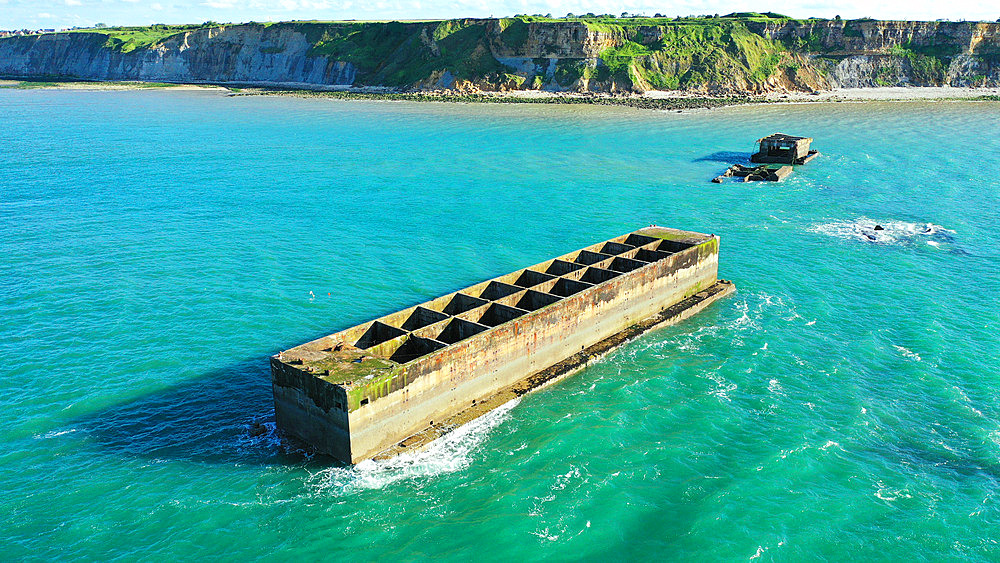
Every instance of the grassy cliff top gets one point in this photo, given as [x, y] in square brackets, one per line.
[127, 39]
[737, 52]
[131, 38]
[146, 35]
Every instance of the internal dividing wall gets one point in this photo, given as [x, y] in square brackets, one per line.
[425, 328]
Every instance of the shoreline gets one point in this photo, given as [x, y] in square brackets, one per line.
[655, 100]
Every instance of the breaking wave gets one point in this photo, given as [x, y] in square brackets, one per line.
[891, 232]
[449, 453]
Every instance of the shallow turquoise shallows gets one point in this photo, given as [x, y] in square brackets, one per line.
[157, 246]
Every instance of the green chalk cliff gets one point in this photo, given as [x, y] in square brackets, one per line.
[733, 55]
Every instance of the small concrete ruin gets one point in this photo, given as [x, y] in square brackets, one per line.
[760, 173]
[784, 149]
[399, 381]
[776, 154]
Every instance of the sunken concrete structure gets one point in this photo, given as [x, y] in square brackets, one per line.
[761, 173]
[379, 386]
[784, 149]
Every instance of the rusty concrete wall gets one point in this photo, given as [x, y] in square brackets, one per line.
[475, 368]
[311, 409]
[450, 378]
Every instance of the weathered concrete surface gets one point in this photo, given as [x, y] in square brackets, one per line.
[669, 316]
[489, 336]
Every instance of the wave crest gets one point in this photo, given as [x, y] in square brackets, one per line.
[449, 453]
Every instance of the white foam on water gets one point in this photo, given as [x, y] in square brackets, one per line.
[907, 353]
[54, 434]
[449, 453]
[743, 320]
[775, 387]
[890, 494]
[893, 232]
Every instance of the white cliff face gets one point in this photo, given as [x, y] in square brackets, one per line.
[860, 54]
[549, 55]
[241, 53]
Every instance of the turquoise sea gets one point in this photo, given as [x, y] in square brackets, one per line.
[157, 246]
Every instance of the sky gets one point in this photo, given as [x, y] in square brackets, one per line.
[34, 14]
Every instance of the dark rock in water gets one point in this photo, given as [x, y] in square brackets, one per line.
[879, 228]
[718, 179]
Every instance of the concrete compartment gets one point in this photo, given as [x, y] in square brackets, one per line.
[497, 314]
[639, 240]
[461, 303]
[459, 329]
[673, 246]
[531, 278]
[650, 255]
[561, 268]
[421, 317]
[534, 300]
[498, 290]
[615, 248]
[598, 275]
[415, 347]
[565, 287]
[625, 265]
[378, 333]
[586, 257]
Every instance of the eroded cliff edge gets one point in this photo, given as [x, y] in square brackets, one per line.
[711, 55]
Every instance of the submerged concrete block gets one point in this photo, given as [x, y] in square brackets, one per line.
[364, 390]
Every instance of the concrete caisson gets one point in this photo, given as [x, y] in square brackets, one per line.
[363, 390]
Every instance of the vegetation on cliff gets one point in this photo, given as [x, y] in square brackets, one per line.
[745, 52]
[128, 39]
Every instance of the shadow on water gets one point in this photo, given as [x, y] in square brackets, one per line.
[727, 157]
[225, 416]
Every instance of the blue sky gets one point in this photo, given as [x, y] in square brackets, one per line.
[67, 13]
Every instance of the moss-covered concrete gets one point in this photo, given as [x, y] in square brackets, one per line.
[369, 386]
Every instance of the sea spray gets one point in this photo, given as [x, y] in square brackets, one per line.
[452, 452]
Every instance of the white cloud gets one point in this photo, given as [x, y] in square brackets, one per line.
[74, 3]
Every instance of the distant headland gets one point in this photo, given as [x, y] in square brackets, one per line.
[735, 56]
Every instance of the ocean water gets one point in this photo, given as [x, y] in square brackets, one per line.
[157, 246]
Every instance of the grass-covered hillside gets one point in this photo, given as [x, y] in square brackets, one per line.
[577, 53]
[128, 39]
[745, 52]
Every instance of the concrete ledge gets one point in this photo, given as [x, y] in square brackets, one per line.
[671, 315]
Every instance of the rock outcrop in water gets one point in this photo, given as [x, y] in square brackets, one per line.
[718, 55]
